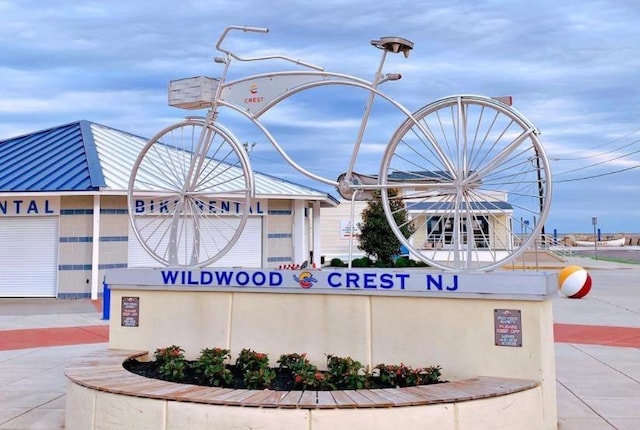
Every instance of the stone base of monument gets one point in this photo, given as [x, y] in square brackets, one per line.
[476, 326]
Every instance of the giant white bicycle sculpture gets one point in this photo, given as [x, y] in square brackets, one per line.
[469, 171]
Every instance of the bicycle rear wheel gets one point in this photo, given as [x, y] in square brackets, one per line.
[189, 194]
[473, 177]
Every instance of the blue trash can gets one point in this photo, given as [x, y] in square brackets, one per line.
[106, 301]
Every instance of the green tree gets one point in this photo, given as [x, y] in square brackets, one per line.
[376, 237]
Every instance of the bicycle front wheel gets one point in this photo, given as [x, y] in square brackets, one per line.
[472, 180]
[189, 194]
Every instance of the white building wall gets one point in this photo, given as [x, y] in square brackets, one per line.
[334, 229]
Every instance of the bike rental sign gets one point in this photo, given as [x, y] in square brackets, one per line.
[152, 206]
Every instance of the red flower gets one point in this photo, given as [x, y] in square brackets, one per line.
[298, 379]
[319, 376]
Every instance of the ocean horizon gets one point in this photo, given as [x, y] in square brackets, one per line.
[590, 233]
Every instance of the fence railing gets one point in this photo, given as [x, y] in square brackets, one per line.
[554, 245]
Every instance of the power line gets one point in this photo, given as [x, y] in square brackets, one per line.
[600, 154]
[598, 163]
[599, 175]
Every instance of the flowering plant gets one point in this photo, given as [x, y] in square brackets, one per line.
[295, 372]
[404, 376]
[211, 367]
[171, 363]
[254, 366]
[306, 376]
[346, 372]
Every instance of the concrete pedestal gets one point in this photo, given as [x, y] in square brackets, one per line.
[497, 324]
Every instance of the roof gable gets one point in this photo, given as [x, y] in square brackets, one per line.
[56, 159]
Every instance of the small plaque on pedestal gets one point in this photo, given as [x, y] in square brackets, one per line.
[130, 311]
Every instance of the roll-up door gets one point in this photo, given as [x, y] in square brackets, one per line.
[247, 252]
[28, 256]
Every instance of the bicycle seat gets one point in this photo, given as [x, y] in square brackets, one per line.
[394, 44]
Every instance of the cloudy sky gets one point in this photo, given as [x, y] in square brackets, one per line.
[572, 67]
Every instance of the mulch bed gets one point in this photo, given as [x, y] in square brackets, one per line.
[283, 381]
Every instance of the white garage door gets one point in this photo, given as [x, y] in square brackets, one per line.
[28, 256]
[247, 252]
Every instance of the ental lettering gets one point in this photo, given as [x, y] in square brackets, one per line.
[25, 207]
[33, 207]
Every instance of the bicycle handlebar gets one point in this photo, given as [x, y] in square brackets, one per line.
[238, 27]
[270, 57]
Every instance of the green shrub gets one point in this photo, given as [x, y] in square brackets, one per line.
[345, 372]
[252, 371]
[211, 367]
[171, 363]
[404, 262]
[254, 366]
[305, 375]
[362, 262]
[431, 375]
[336, 262]
[404, 376]
[397, 375]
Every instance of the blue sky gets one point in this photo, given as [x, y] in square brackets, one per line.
[572, 68]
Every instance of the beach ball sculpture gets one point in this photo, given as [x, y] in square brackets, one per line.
[574, 282]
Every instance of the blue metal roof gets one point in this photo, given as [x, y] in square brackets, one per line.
[62, 158]
[448, 206]
[84, 156]
[424, 175]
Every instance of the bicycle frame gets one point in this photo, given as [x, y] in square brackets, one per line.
[252, 96]
[232, 98]
[455, 159]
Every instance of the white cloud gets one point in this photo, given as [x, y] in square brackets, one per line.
[572, 68]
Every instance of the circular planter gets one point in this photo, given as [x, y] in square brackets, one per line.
[102, 394]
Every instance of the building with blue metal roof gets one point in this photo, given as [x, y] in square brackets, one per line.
[63, 213]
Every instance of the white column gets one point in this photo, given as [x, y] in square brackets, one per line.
[95, 248]
[317, 248]
[299, 232]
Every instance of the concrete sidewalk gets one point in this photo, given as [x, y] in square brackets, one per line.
[598, 384]
[32, 381]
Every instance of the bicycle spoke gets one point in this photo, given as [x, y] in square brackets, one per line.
[176, 222]
[465, 218]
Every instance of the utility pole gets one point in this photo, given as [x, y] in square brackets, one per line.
[594, 221]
